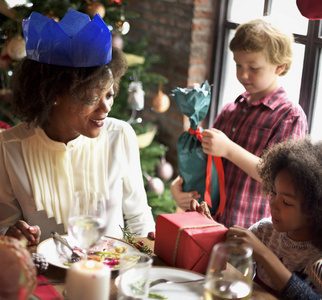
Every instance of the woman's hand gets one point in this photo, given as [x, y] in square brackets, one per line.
[182, 198]
[242, 235]
[22, 229]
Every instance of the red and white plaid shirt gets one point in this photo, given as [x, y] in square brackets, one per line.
[255, 127]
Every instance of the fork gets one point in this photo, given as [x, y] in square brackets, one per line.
[153, 283]
[74, 257]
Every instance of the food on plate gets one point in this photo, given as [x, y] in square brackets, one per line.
[105, 252]
[18, 271]
[157, 296]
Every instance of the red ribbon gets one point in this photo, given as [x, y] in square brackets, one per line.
[196, 132]
[220, 173]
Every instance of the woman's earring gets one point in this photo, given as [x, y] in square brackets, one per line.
[55, 103]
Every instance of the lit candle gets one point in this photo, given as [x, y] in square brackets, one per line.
[88, 280]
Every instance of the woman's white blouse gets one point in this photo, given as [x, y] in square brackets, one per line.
[38, 177]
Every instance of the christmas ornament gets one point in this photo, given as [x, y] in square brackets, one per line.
[93, 8]
[117, 41]
[123, 26]
[18, 272]
[136, 95]
[154, 184]
[16, 48]
[164, 170]
[160, 102]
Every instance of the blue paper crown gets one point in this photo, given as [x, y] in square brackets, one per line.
[76, 41]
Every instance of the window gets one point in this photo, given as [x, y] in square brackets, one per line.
[303, 83]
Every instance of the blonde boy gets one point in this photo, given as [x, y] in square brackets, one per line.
[259, 118]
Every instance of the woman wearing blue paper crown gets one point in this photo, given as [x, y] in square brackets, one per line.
[259, 118]
[63, 92]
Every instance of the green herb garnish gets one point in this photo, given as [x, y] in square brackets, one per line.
[157, 296]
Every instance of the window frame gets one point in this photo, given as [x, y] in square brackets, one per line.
[313, 45]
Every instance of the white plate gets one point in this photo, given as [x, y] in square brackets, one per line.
[57, 254]
[191, 291]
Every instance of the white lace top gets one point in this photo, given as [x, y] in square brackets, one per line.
[38, 177]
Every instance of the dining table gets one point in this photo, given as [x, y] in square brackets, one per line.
[57, 276]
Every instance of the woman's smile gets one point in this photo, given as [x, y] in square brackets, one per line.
[98, 122]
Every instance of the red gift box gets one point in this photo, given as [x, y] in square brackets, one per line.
[185, 240]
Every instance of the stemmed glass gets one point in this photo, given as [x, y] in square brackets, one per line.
[230, 272]
[87, 219]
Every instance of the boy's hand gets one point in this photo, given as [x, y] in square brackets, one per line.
[182, 198]
[21, 228]
[242, 235]
[215, 142]
[151, 235]
[200, 208]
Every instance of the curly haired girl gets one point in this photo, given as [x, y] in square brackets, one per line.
[286, 245]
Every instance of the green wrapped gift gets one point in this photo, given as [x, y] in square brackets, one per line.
[200, 172]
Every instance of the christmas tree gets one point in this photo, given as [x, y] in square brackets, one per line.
[131, 96]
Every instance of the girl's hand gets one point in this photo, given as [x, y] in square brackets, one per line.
[274, 268]
[22, 229]
[242, 235]
[215, 143]
[182, 198]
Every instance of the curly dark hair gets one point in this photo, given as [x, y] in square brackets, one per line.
[36, 86]
[303, 159]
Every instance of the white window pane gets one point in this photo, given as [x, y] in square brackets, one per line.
[291, 82]
[231, 86]
[242, 11]
[316, 131]
[287, 13]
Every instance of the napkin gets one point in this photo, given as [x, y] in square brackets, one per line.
[46, 292]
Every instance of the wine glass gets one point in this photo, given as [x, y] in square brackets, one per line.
[87, 219]
[229, 274]
[134, 276]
